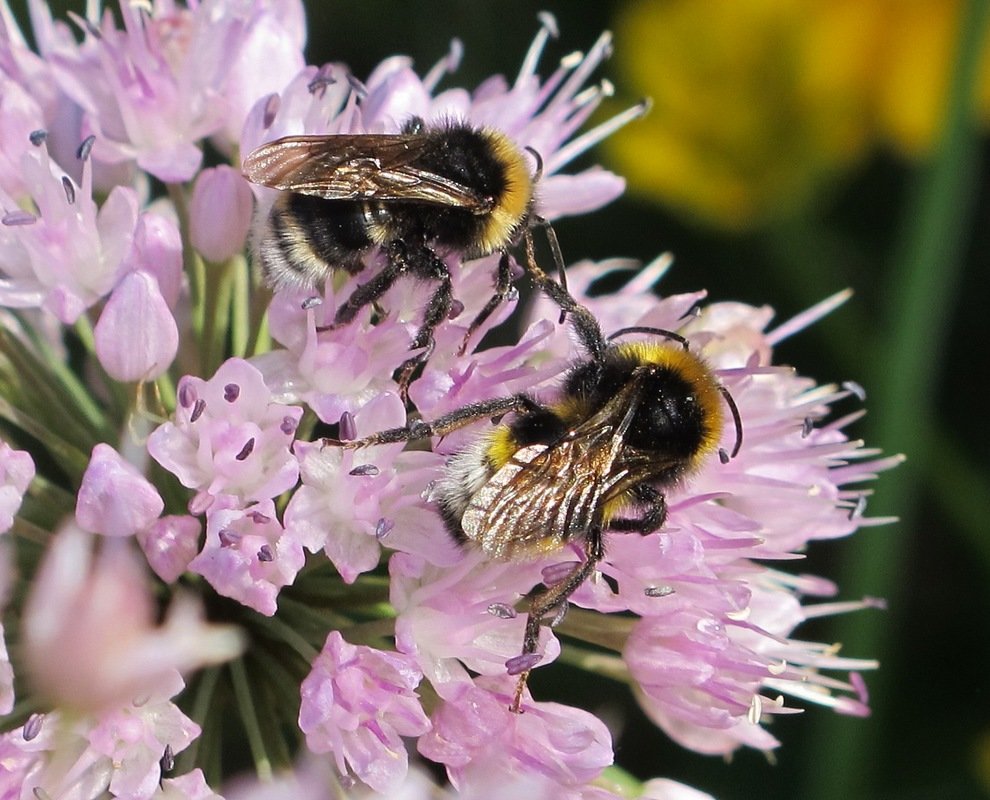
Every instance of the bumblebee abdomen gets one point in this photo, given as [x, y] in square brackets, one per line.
[306, 238]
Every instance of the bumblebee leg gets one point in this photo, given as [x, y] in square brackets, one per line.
[424, 263]
[503, 279]
[585, 324]
[448, 423]
[553, 599]
[652, 518]
[366, 293]
[558, 256]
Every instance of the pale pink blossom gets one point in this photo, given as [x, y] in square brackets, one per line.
[543, 115]
[71, 253]
[229, 437]
[20, 116]
[332, 369]
[357, 703]
[191, 786]
[314, 778]
[153, 89]
[157, 251]
[351, 502]
[89, 634]
[477, 737]
[248, 556]
[462, 617]
[114, 498]
[83, 757]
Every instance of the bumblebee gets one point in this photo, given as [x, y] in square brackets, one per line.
[633, 420]
[417, 195]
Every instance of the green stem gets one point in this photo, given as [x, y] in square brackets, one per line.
[218, 294]
[245, 702]
[280, 631]
[596, 662]
[202, 701]
[192, 264]
[240, 315]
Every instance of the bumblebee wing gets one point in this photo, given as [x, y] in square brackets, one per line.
[358, 167]
[543, 497]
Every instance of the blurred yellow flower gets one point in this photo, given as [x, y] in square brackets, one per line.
[759, 103]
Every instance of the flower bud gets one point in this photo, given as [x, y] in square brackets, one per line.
[220, 213]
[136, 335]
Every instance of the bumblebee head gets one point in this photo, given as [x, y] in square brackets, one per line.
[678, 409]
[663, 398]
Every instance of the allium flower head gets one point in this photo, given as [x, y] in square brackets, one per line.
[190, 452]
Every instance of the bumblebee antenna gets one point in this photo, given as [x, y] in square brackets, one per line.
[536, 221]
[736, 418]
[539, 162]
[655, 331]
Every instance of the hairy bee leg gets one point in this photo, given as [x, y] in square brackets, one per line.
[552, 600]
[585, 324]
[653, 517]
[437, 310]
[503, 279]
[369, 292]
[444, 425]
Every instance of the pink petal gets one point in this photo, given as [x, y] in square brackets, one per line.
[114, 498]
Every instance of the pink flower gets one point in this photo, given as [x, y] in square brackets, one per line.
[191, 786]
[228, 437]
[114, 498]
[248, 556]
[332, 370]
[134, 738]
[350, 501]
[89, 636]
[462, 617]
[314, 778]
[356, 703]
[70, 254]
[16, 474]
[715, 623]
[20, 116]
[476, 736]
[117, 751]
[157, 251]
[136, 335]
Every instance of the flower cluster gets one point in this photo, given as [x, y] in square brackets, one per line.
[193, 553]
